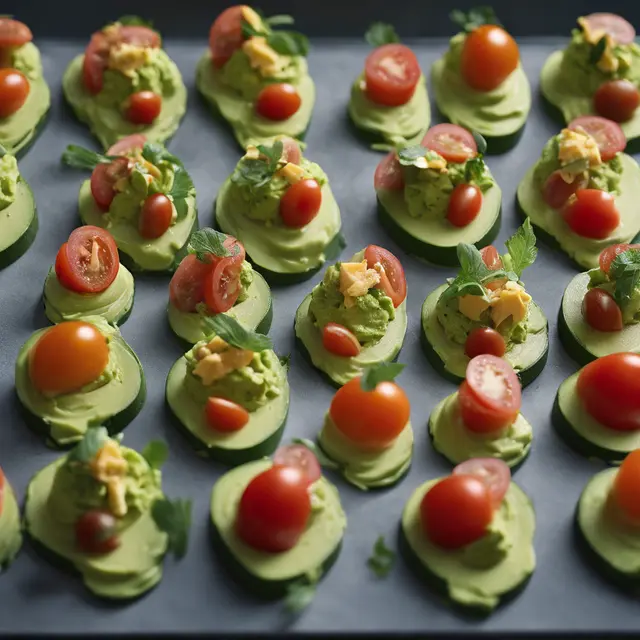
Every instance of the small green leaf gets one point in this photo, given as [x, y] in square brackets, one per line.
[3, 151]
[276, 21]
[522, 248]
[380, 33]
[93, 440]
[337, 247]
[380, 372]
[174, 519]
[233, 333]
[382, 560]
[157, 153]
[288, 43]
[206, 242]
[258, 172]
[474, 18]
[474, 170]
[299, 596]
[81, 158]
[408, 156]
[135, 21]
[182, 186]
[625, 271]
[285, 361]
[156, 453]
[322, 457]
[272, 153]
[249, 32]
[597, 50]
[481, 143]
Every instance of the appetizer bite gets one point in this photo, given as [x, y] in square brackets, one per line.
[125, 83]
[582, 192]
[101, 510]
[280, 206]
[485, 309]
[389, 99]
[482, 419]
[597, 410]
[435, 195]
[480, 84]
[78, 374]
[143, 196]
[215, 278]
[24, 93]
[88, 280]
[278, 524]
[256, 77]
[600, 312]
[367, 431]
[230, 393]
[18, 217]
[356, 316]
[598, 73]
[470, 535]
[10, 529]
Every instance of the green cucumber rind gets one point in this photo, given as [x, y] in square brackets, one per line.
[21, 246]
[576, 350]
[21, 150]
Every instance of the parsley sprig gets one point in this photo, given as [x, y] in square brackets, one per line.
[597, 50]
[522, 249]
[382, 559]
[286, 43]
[374, 374]
[206, 242]
[173, 517]
[625, 270]
[381, 33]
[135, 21]
[156, 453]
[92, 441]
[256, 172]
[474, 18]
[233, 333]
[81, 158]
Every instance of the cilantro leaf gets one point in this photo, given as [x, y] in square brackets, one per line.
[382, 560]
[275, 21]
[182, 186]
[285, 361]
[205, 242]
[174, 519]
[259, 171]
[625, 270]
[288, 43]
[598, 50]
[474, 169]
[156, 453]
[380, 33]
[522, 248]
[135, 21]
[81, 158]
[299, 596]
[93, 440]
[381, 372]
[322, 457]
[481, 143]
[474, 18]
[408, 156]
[157, 153]
[233, 333]
[336, 247]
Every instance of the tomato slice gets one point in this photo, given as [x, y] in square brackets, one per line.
[104, 178]
[601, 311]
[614, 25]
[388, 173]
[224, 415]
[338, 340]
[186, 289]
[391, 75]
[453, 143]
[13, 33]
[222, 283]
[127, 145]
[299, 457]
[291, 150]
[392, 278]
[493, 472]
[556, 191]
[610, 253]
[491, 258]
[608, 134]
[140, 36]
[2, 481]
[225, 35]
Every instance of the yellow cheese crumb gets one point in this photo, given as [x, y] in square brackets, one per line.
[577, 145]
[126, 58]
[292, 173]
[218, 359]
[109, 467]
[432, 160]
[262, 56]
[608, 62]
[510, 301]
[473, 306]
[356, 280]
[251, 18]
[252, 153]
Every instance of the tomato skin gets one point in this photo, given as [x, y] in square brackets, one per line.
[601, 311]
[491, 258]
[625, 488]
[489, 56]
[616, 26]
[495, 474]
[274, 509]
[127, 145]
[300, 203]
[143, 107]
[609, 388]
[610, 253]
[392, 279]
[14, 91]
[278, 101]
[225, 35]
[391, 74]
[186, 288]
[299, 457]
[156, 216]
[372, 420]
[337, 339]
[13, 33]
[617, 100]
[388, 173]
[103, 179]
[485, 340]
[452, 142]
[96, 532]
[456, 511]
[556, 191]
[224, 415]
[609, 136]
[477, 417]
[291, 150]
[592, 214]
[222, 285]
[464, 205]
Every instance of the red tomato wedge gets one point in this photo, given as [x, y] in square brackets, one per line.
[388, 173]
[495, 474]
[222, 283]
[291, 150]
[453, 143]
[391, 75]
[610, 254]
[601, 311]
[299, 457]
[13, 33]
[607, 134]
[392, 278]
[225, 35]
[614, 25]
[104, 178]
[485, 340]
[186, 289]
[556, 191]
[127, 145]
[339, 341]
[592, 213]
[224, 415]
[491, 258]
[2, 481]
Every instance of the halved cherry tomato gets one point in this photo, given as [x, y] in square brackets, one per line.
[225, 35]
[485, 340]
[339, 341]
[156, 215]
[222, 284]
[392, 279]
[139, 36]
[274, 509]
[617, 100]
[453, 143]
[88, 262]
[625, 488]
[490, 397]
[278, 101]
[489, 56]
[291, 150]
[491, 258]
[607, 134]
[97, 532]
[13, 33]
[372, 420]
[186, 289]
[601, 311]
[104, 178]
[388, 173]
[299, 457]
[456, 511]
[67, 357]
[143, 107]
[224, 415]
[556, 191]
[464, 205]
[616, 26]
[495, 474]
[127, 145]
[391, 74]
[2, 481]
[592, 213]
[300, 203]
[609, 389]
[610, 253]
[14, 91]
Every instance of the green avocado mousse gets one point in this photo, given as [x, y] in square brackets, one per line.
[10, 529]
[24, 94]
[215, 278]
[389, 100]
[470, 535]
[280, 206]
[480, 84]
[597, 410]
[101, 510]
[88, 280]
[486, 309]
[482, 419]
[437, 194]
[18, 217]
[125, 84]
[582, 192]
[278, 525]
[143, 196]
[229, 393]
[356, 316]
[256, 78]
[600, 311]
[78, 374]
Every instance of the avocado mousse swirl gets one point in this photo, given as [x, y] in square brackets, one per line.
[9, 176]
[10, 530]
[101, 508]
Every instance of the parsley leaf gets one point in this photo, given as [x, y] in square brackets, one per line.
[625, 270]
[81, 158]
[93, 440]
[382, 560]
[233, 333]
[598, 50]
[474, 18]
[299, 596]
[205, 242]
[380, 33]
[408, 156]
[322, 457]
[156, 453]
[157, 153]
[182, 186]
[522, 248]
[474, 169]
[174, 519]
[258, 172]
[286, 43]
[275, 21]
[380, 372]
[481, 143]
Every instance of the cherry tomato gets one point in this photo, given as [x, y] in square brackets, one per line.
[225, 35]
[485, 340]
[2, 482]
[88, 262]
[610, 253]
[391, 74]
[556, 191]
[13, 33]
[139, 36]
[464, 205]
[274, 509]
[186, 288]
[104, 178]
[592, 213]
[278, 101]
[392, 278]
[616, 26]
[456, 511]
[143, 107]
[489, 56]
[299, 457]
[388, 173]
[97, 532]
[490, 397]
[491, 258]
[607, 134]
[495, 474]
[370, 419]
[339, 341]
[14, 91]
[67, 357]
[129, 144]
[601, 311]
[609, 388]
[617, 100]
[224, 415]
[156, 216]
[300, 203]
[222, 284]
[291, 150]
[452, 142]
[625, 488]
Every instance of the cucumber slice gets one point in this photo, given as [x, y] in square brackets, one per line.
[11, 541]
[23, 217]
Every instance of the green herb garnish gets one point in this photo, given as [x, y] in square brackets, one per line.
[522, 248]
[474, 169]
[206, 242]
[182, 186]
[156, 453]
[81, 158]
[474, 18]
[380, 33]
[324, 461]
[380, 372]
[382, 560]
[93, 440]
[625, 270]
[259, 171]
[276, 21]
[598, 50]
[285, 361]
[299, 596]
[157, 153]
[286, 43]
[135, 21]
[410, 156]
[233, 333]
[481, 143]
[174, 519]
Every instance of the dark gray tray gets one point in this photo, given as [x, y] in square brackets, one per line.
[196, 595]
